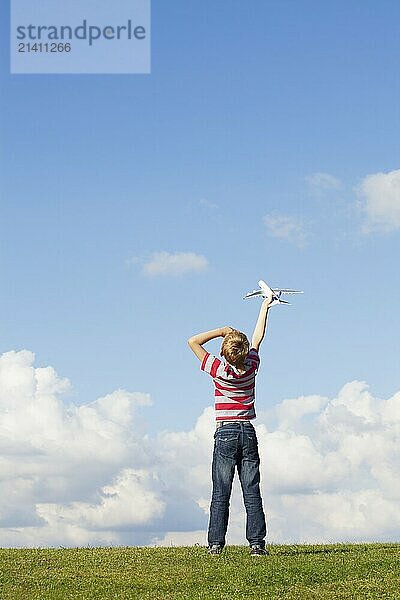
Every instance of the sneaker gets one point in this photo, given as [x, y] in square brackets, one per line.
[214, 549]
[257, 550]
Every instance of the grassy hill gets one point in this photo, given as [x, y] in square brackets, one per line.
[289, 572]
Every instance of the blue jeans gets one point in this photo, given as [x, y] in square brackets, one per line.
[235, 445]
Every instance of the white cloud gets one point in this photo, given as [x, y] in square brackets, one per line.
[76, 475]
[321, 183]
[128, 502]
[182, 538]
[285, 227]
[207, 204]
[179, 263]
[69, 472]
[292, 410]
[380, 194]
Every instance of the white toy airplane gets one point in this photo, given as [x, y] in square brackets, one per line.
[264, 291]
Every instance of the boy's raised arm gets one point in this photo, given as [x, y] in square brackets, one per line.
[196, 341]
[259, 330]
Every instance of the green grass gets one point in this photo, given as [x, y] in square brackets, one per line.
[289, 572]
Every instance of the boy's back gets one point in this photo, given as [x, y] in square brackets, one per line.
[234, 390]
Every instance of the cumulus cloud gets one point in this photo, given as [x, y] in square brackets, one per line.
[128, 502]
[69, 472]
[285, 227]
[330, 470]
[380, 193]
[76, 475]
[172, 264]
[320, 183]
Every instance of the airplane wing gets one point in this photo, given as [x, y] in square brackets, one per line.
[277, 290]
[251, 294]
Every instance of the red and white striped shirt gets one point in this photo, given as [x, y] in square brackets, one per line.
[234, 392]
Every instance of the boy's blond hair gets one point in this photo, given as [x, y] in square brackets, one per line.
[235, 348]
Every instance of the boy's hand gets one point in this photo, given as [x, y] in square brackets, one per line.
[225, 331]
[196, 341]
[268, 300]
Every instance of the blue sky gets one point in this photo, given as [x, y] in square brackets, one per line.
[215, 154]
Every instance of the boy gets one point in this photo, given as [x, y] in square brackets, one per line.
[235, 440]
